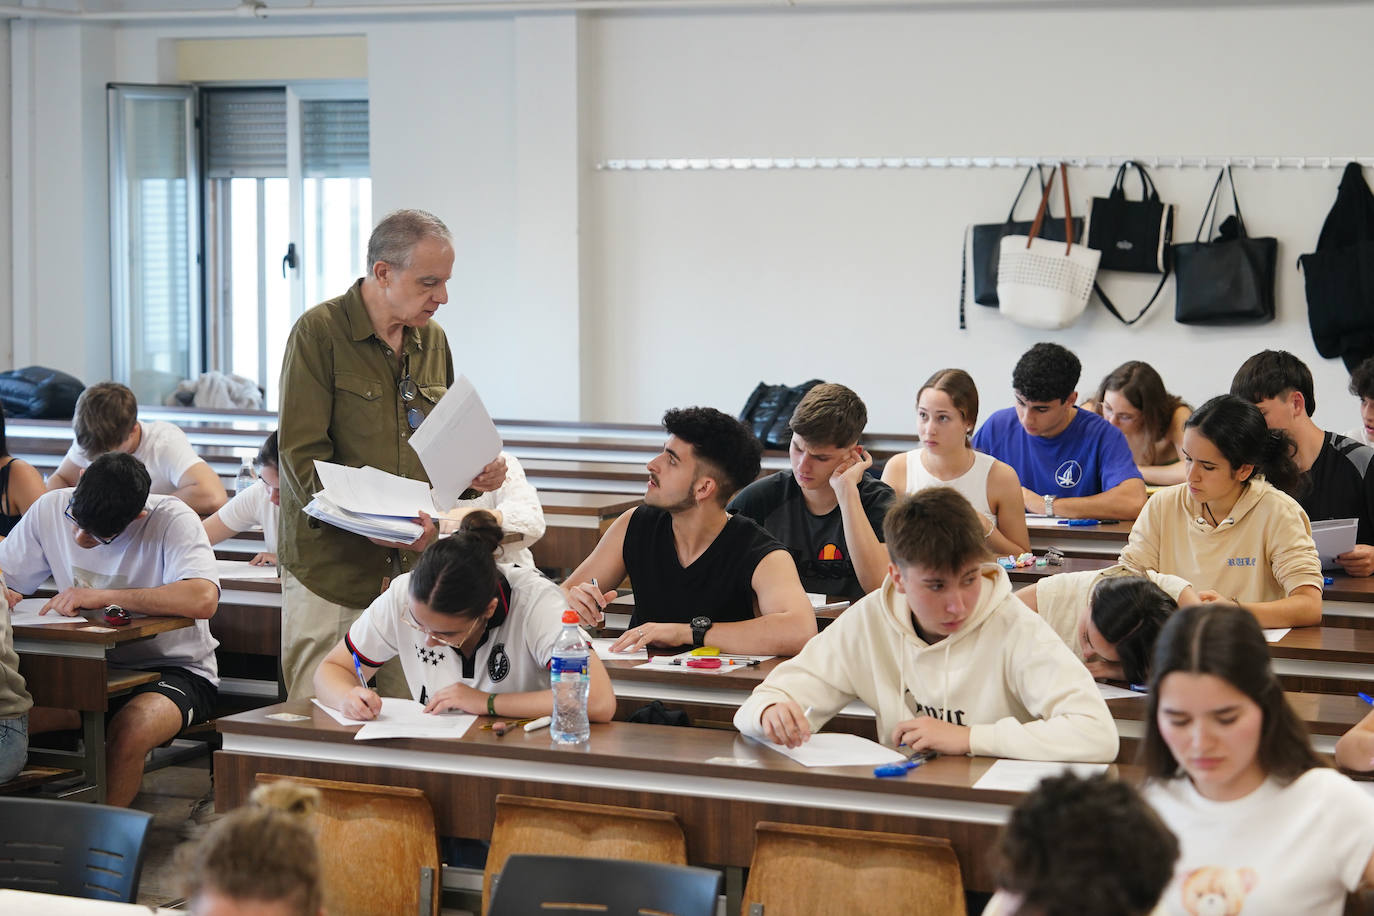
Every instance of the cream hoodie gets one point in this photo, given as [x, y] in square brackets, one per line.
[1005, 673]
[1262, 551]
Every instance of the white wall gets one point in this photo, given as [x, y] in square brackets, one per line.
[612, 295]
[854, 275]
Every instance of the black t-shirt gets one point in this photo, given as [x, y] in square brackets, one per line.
[816, 542]
[718, 584]
[1341, 485]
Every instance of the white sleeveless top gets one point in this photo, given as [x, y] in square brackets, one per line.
[972, 484]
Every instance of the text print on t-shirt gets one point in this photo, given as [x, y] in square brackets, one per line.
[1241, 561]
[84, 578]
[936, 712]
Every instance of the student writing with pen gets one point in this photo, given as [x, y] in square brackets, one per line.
[943, 652]
[472, 635]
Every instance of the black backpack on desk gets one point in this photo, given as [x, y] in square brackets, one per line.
[39, 393]
[769, 410]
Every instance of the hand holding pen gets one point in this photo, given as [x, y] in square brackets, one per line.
[589, 601]
[786, 723]
[361, 703]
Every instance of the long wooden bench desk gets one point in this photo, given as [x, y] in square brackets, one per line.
[718, 783]
[64, 666]
[1102, 540]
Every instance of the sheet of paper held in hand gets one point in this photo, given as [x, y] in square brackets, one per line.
[25, 614]
[1025, 775]
[401, 718]
[455, 442]
[837, 749]
[370, 491]
[1334, 537]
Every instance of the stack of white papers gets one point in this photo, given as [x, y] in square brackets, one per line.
[454, 443]
[1334, 537]
[402, 718]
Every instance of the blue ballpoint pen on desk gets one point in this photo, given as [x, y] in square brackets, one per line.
[906, 766]
[1080, 522]
[1366, 697]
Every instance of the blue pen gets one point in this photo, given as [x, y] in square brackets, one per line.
[358, 667]
[1366, 697]
[911, 763]
[1080, 522]
[1327, 580]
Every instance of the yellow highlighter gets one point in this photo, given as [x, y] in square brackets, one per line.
[706, 650]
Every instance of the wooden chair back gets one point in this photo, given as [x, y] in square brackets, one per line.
[550, 885]
[546, 826]
[803, 870]
[379, 852]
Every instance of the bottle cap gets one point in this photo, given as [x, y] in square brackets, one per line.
[570, 616]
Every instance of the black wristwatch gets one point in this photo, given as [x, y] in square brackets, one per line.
[699, 627]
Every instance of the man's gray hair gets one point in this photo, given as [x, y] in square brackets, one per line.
[396, 236]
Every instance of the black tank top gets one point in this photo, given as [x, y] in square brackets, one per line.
[7, 522]
[718, 584]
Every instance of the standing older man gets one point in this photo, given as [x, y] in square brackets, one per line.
[360, 373]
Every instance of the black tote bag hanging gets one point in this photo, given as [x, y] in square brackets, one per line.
[1339, 275]
[1229, 280]
[1133, 235]
[987, 241]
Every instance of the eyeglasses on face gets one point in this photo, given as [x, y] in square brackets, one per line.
[72, 518]
[444, 639]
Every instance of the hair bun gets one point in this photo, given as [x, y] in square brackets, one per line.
[482, 526]
[287, 797]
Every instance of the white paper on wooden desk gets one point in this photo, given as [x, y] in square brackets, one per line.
[242, 569]
[837, 749]
[602, 645]
[1276, 633]
[25, 614]
[1113, 692]
[370, 491]
[455, 442]
[1334, 537]
[1025, 775]
[401, 718]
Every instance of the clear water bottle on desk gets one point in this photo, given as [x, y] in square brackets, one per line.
[571, 682]
[245, 479]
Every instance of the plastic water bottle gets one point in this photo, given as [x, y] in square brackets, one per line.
[571, 682]
[245, 479]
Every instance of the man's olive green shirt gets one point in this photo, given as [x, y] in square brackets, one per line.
[340, 402]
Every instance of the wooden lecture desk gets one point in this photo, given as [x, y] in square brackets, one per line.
[1105, 539]
[64, 666]
[719, 784]
[574, 524]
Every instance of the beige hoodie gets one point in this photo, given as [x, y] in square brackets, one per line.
[1262, 551]
[1005, 673]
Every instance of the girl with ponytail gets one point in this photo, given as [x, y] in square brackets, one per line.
[472, 635]
[1232, 528]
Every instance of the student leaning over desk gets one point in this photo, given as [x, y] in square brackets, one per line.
[946, 656]
[472, 636]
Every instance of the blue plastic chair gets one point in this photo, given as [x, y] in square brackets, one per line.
[616, 887]
[52, 846]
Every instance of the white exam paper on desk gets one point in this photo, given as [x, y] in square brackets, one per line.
[402, 718]
[1274, 634]
[1113, 692]
[242, 569]
[455, 442]
[603, 644]
[1025, 775]
[838, 749]
[25, 614]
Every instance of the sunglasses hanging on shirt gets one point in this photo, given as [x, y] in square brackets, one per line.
[408, 391]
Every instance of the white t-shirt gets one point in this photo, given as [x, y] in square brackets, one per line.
[252, 507]
[164, 546]
[521, 512]
[164, 450]
[1061, 598]
[513, 657]
[1277, 851]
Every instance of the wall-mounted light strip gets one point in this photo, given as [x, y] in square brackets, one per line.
[975, 162]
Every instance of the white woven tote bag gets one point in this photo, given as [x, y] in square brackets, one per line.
[1041, 283]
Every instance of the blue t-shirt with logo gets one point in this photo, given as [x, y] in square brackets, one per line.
[1089, 457]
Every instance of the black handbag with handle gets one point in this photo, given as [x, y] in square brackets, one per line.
[1229, 280]
[1339, 275]
[987, 246]
[1133, 235]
